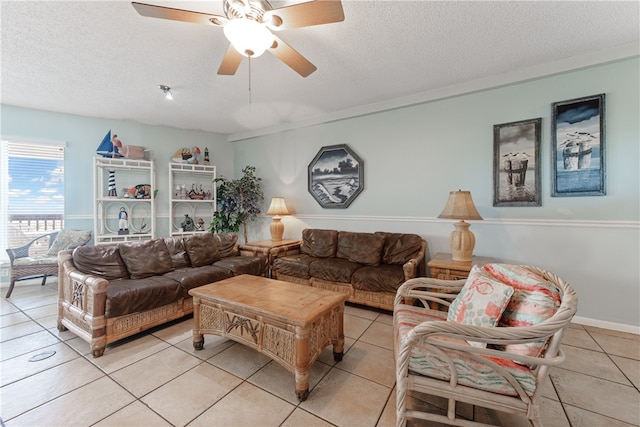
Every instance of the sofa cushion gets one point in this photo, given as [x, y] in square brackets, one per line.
[202, 249]
[255, 265]
[127, 296]
[146, 258]
[399, 247]
[471, 372]
[333, 269]
[480, 302]
[68, 239]
[383, 278]
[319, 243]
[192, 277]
[178, 253]
[227, 244]
[103, 261]
[294, 265]
[534, 300]
[363, 248]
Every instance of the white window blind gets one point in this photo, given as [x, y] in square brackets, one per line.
[32, 187]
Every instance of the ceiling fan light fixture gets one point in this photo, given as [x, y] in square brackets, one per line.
[167, 92]
[248, 37]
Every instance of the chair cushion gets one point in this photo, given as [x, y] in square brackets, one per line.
[363, 248]
[534, 300]
[202, 249]
[146, 258]
[126, 296]
[319, 243]
[471, 373]
[480, 302]
[35, 260]
[294, 265]
[103, 261]
[193, 277]
[399, 247]
[68, 239]
[333, 269]
[254, 265]
[383, 278]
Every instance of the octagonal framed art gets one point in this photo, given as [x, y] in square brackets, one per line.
[336, 176]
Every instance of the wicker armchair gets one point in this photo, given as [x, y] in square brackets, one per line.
[449, 342]
[39, 257]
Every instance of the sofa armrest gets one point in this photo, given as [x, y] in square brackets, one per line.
[416, 266]
[82, 303]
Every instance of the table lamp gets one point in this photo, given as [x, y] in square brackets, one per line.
[277, 208]
[460, 206]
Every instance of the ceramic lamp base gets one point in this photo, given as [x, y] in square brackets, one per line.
[462, 242]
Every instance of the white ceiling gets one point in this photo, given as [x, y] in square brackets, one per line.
[102, 59]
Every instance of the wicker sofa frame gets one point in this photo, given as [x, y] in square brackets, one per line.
[427, 334]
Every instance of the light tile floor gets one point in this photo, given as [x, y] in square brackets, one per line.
[157, 378]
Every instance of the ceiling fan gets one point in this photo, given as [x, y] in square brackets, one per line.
[249, 26]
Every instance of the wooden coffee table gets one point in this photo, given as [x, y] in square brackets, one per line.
[288, 322]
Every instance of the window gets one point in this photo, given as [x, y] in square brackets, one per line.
[32, 188]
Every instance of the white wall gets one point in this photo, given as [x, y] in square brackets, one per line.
[413, 156]
[84, 134]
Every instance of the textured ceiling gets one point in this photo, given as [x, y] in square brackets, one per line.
[102, 59]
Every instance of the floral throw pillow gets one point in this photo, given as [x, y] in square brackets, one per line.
[534, 301]
[481, 301]
[68, 239]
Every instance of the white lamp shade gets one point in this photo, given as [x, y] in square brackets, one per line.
[248, 37]
[278, 207]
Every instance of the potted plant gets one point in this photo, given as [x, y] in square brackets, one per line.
[239, 202]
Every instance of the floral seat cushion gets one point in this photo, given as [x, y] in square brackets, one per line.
[470, 372]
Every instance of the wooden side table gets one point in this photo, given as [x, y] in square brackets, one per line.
[442, 266]
[271, 249]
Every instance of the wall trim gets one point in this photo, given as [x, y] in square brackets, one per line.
[621, 327]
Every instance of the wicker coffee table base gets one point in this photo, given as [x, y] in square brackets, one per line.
[293, 345]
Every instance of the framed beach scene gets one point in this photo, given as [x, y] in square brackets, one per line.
[516, 163]
[578, 147]
[336, 176]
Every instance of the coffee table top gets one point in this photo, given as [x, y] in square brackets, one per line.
[296, 304]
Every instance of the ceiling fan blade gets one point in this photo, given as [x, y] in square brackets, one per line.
[305, 14]
[230, 62]
[178, 14]
[293, 59]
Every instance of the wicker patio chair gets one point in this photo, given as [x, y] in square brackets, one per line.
[32, 260]
[449, 342]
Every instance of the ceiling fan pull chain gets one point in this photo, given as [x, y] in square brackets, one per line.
[249, 60]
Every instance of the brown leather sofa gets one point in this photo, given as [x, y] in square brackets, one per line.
[369, 267]
[110, 292]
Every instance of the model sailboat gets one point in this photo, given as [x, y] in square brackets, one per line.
[109, 147]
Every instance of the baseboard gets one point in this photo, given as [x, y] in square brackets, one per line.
[631, 329]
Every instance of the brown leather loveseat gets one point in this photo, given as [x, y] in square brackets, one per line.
[369, 267]
[110, 292]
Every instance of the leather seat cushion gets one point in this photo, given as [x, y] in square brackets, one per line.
[333, 269]
[192, 277]
[400, 247]
[294, 265]
[383, 278]
[202, 249]
[256, 266]
[126, 296]
[363, 248]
